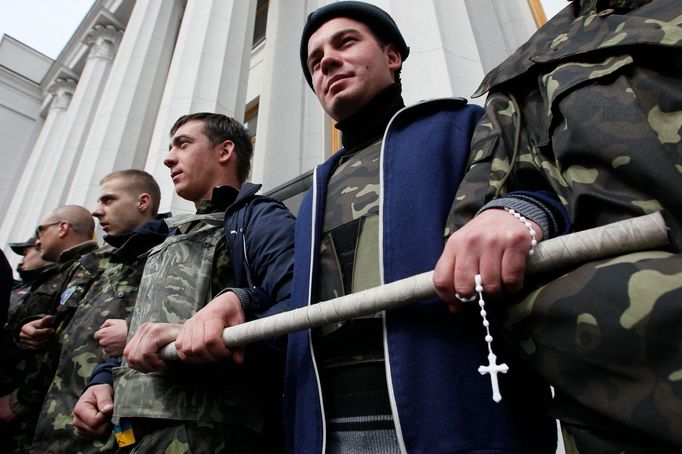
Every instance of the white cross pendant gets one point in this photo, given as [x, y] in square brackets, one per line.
[493, 368]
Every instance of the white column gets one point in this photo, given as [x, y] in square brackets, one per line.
[208, 72]
[49, 192]
[14, 227]
[122, 126]
[499, 28]
[291, 124]
[454, 44]
[443, 60]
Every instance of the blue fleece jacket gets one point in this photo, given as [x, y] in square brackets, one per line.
[441, 404]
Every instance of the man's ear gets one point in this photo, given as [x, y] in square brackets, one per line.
[226, 151]
[393, 57]
[63, 228]
[144, 201]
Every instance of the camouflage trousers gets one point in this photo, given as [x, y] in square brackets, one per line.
[184, 437]
[608, 337]
[65, 441]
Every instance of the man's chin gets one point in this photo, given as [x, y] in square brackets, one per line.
[342, 110]
[180, 190]
[185, 195]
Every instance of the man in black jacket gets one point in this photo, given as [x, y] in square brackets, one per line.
[199, 275]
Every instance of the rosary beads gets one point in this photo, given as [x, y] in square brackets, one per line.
[492, 368]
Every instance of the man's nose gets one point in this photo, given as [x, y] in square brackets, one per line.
[329, 62]
[170, 160]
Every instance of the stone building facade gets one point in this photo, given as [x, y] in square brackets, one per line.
[131, 68]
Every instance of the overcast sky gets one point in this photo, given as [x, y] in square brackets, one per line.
[46, 25]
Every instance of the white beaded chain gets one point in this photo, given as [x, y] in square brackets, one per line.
[529, 226]
[492, 368]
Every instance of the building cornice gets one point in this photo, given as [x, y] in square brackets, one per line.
[21, 84]
[72, 58]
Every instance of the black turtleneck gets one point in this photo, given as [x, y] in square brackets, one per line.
[369, 123]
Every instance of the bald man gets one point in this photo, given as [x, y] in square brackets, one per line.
[62, 236]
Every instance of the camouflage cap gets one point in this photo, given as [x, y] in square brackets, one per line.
[378, 20]
[20, 247]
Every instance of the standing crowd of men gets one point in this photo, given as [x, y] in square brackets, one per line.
[582, 127]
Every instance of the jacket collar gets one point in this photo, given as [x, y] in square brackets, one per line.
[141, 240]
[76, 251]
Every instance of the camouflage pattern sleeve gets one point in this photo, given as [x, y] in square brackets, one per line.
[35, 384]
[590, 105]
[496, 146]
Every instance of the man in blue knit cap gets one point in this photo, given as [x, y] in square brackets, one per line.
[405, 380]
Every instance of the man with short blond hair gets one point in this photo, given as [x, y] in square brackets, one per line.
[127, 209]
[137, 182]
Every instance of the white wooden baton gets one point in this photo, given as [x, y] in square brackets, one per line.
[636, 234]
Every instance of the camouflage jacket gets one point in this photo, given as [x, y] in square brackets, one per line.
[41, 290]
[40, 287]
[591, 109]
[38, 374]
[115, 274]
[19, 293]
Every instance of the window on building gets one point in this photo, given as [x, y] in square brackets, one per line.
[334, 136]
[261, 22]
[251, 119]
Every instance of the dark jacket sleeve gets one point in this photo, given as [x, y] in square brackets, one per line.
[103, 373]
[269, 243]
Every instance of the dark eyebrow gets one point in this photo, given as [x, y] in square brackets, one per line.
[105, 197]
[334, 38]
[177, 139]
[339, 34]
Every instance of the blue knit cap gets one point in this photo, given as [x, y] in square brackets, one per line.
[378, 20]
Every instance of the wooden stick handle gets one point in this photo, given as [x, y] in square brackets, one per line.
[641, 233]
